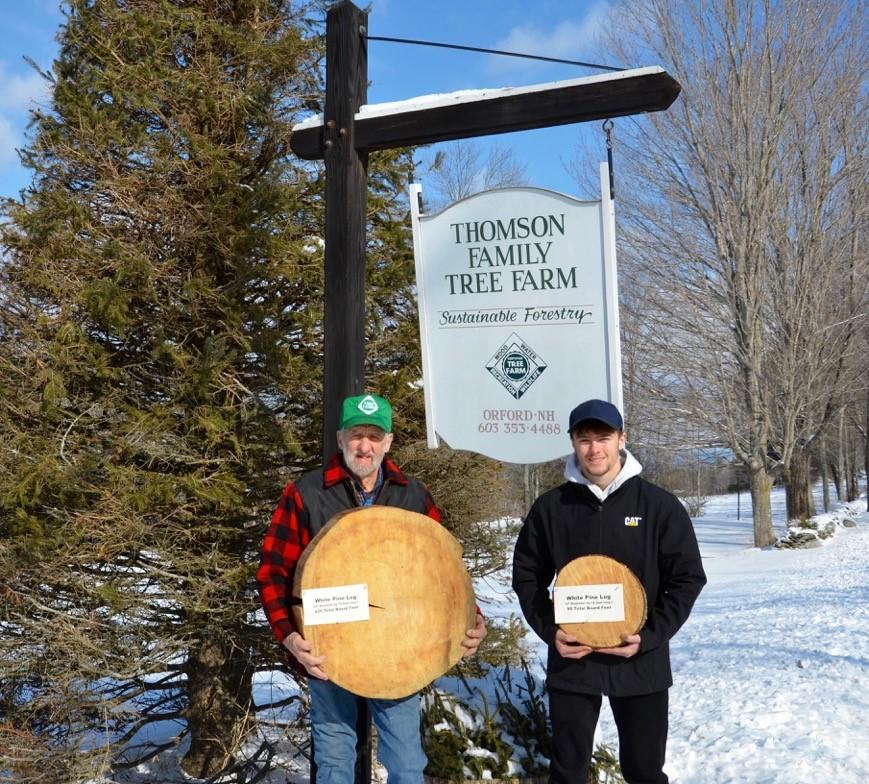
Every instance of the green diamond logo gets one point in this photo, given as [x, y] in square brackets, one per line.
[516, 366]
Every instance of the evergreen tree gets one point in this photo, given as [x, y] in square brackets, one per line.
[161, 303]
[161, 375]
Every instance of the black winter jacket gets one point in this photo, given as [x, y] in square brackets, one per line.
[648, 530]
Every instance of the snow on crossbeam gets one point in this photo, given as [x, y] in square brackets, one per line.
[465, 113]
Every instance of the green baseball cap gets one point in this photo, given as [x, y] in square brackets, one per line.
[366, 410]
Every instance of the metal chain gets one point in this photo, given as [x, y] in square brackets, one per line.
[608, 131]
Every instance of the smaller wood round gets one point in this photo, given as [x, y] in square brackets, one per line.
[603, 570]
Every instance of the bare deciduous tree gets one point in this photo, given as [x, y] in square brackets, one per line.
[739, 207]
[461, 169]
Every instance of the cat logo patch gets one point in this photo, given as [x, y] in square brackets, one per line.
[632, 522]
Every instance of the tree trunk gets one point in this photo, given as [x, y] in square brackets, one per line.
[841, 470]
[866, 450]
[837, 481]
[787, 481]
[796, 481]
[825, 474]
[761, 483]
[532, 484]
[218, 703]
[849, 472]
[851, 463]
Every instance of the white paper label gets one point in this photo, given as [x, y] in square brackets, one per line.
[335, 604]
[589, 603]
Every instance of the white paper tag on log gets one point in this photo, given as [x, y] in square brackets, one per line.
[589, 603]
[335, 604]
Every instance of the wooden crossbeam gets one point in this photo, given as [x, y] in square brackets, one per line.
[485, 112]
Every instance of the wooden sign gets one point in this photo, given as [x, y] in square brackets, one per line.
[513, 285]
[421, 602]
[607, 596]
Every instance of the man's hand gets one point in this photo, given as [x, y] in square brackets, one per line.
[569, 647]
[630, 647]
[473, 637]
[301, 649]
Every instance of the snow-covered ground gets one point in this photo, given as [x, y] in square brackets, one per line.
[771, 671]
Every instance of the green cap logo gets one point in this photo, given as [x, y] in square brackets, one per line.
[366, 410]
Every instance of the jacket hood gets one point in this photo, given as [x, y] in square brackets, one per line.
[630, 468]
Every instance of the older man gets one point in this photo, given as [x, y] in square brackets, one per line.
[606, 508]
[359, 474]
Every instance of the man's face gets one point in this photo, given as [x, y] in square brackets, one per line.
[597, 448]
[363, 447]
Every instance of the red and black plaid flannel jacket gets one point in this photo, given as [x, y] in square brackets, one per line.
[288, 536]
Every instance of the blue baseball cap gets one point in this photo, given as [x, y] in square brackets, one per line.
[601, 410]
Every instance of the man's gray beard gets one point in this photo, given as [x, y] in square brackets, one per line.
[362, 471]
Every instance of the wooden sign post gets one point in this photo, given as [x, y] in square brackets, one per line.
[346, 200]
[343, 140]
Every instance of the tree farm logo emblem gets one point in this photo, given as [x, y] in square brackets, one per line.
[368, 405]
[516, 365]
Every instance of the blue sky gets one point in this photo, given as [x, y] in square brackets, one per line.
[555, 28]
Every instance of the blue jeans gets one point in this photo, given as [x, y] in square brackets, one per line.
[333, 727]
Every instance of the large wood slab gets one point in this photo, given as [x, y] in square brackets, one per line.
[421, 597]
[603, 570]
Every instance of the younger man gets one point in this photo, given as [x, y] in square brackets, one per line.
[606, 508]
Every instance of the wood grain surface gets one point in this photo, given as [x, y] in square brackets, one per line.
[421, 597]
[603, 570]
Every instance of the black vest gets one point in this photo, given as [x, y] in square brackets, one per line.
[322, 503]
